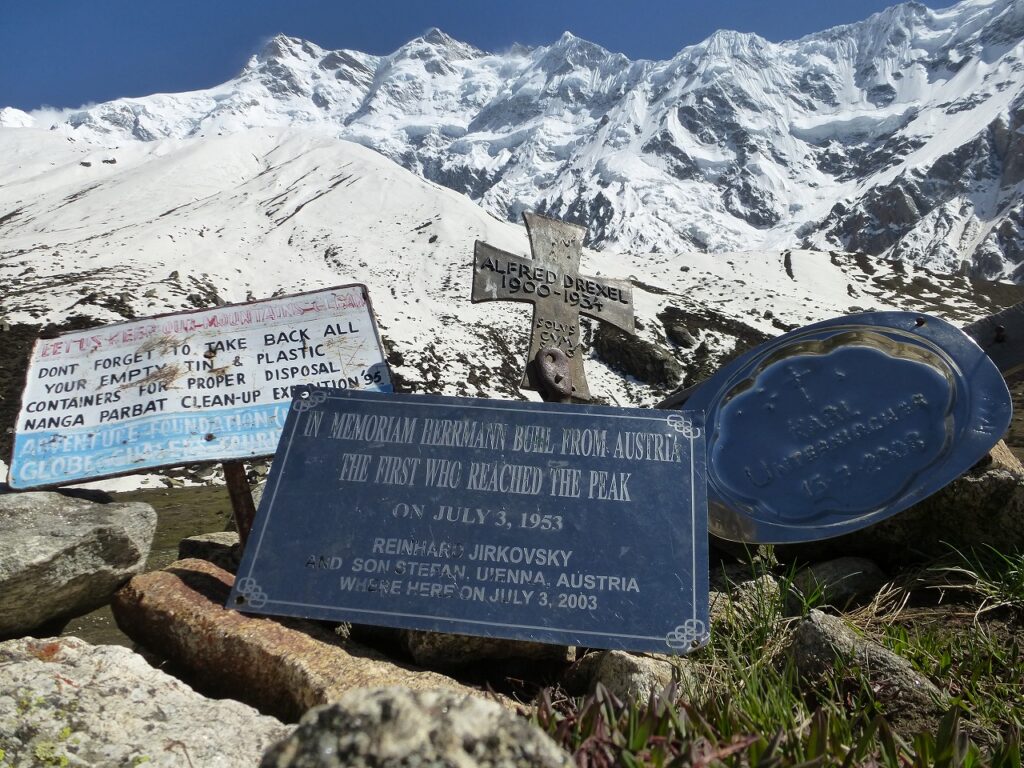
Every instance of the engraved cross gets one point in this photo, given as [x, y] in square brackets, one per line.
[559, 294]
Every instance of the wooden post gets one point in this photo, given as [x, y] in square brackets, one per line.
[241, 498]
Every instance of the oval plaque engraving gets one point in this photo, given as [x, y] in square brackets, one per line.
[843, 423]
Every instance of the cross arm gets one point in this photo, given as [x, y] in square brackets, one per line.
[499, 275]
[611, 301]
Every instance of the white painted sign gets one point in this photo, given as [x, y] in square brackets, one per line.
[208, 385]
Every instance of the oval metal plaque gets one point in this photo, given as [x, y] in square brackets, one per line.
[843, 423]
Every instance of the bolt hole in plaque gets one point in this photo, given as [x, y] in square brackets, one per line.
[843, 423]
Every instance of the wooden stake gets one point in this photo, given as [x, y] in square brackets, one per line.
[241, 498]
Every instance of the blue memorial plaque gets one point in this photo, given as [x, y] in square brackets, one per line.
[569, 524]
[843, 423]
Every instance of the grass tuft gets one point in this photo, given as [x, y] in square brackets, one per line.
[742, 701]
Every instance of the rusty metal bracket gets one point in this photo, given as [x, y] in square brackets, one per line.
[554, 372]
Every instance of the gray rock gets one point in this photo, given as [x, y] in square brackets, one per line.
[910, 701]
[985, 506]
[745, 599]
[65, 702]
[220, 548]
[637, 677]
[438, 650]
[387, 727]
[839, 582]
[65, 556]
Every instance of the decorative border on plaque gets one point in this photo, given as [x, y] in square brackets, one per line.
[251, 593]
[691, 634]
[307, 400]
[683, 425]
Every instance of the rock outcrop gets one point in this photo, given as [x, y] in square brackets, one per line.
[838, 582]
[220, 548]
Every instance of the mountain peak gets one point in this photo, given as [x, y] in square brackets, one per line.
[730, 41]
[569, 41]
[575, 51]
[435, 43]
[436, 36]
[282, 46]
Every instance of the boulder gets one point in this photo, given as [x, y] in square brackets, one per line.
[909, 700]
[439, 650]
[283, 667]
[65, 702]
[983, 507]
[64, 556]
[398, 727]
[220, 548]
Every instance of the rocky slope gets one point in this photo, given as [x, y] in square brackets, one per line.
[898, 136]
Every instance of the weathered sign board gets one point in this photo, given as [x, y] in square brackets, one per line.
[578, 525]
[208, 385]
[843, 423]
[552, 283]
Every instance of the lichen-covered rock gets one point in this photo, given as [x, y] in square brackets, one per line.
[400, 728]
[283, 667]
[910, 701]
[983, 507]
[440, 650]
[65, 702]
[220, 548]
[64, 556]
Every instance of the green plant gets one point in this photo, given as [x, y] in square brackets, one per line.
[742, 702]
[800, 601]
[996, 577]
[601, 731]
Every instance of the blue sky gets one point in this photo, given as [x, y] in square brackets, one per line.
[65, 53]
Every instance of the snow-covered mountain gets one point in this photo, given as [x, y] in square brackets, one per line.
[900, 136]
[91, 234]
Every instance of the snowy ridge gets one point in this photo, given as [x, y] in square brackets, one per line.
[95, 234]
[899, 136]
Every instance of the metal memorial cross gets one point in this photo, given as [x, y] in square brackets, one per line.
[559, 294]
